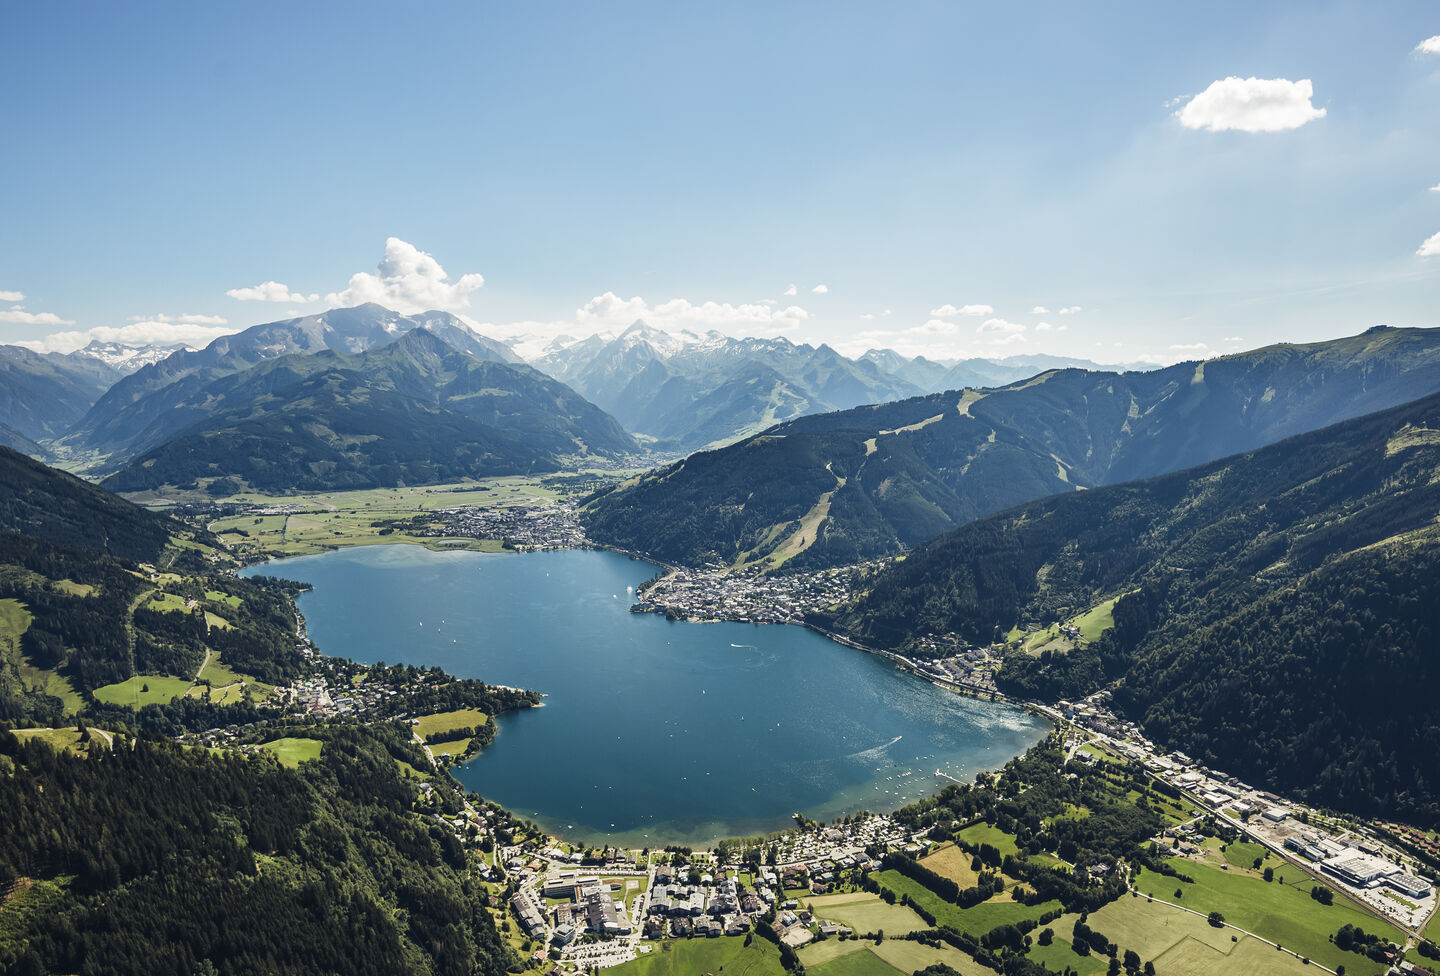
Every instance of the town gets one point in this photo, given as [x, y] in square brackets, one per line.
[747, 595]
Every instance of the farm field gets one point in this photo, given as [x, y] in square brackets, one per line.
[1281, 912]
[976, 920]
[371, 516]
[292, 752]
[463, 718]
[865, 912]
[690, 957]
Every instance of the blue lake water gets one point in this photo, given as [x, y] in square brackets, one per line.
[652, 732]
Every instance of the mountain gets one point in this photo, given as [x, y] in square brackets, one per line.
[123, 358]
[43, 394]
[1275, 611]
[415, 411]
[138, 403]
[61, 509]
[848, 486]
[685, 390]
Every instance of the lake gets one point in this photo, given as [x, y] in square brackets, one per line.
[653, 732]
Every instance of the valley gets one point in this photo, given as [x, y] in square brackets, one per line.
[679, 739]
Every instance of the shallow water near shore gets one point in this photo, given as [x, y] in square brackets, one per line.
[653, 732]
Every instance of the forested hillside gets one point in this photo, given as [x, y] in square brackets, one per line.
[415, 411]
[232, 864]
[1276, 610]
[843, 487]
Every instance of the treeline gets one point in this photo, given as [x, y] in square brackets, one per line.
[232, 864]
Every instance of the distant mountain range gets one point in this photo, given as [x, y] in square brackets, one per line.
[847, 486]
[686, 390]
[1276, 612]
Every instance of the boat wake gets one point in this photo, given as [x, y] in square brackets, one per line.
[874, 752]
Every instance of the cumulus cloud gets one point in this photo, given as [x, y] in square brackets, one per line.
[408, 280]
[1039, 310]
[19, 316]
[269, 291]
[1431, 45]
[947, 310]
[1189, 347]
[1001, 326]
[1071, 310]
[1232, 339]
[1047, 327]
[1431, 247]
[821, 290]
[12, 296]
[189, 330]
[1433, 189]
[1251, 105]
[789, 292]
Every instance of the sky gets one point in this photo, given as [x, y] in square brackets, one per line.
[1122, 182]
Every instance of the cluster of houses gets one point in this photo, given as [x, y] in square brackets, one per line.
[745, 596]
[523, 528]
[972, 670]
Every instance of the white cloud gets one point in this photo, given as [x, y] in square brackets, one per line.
[613, 312]
[1047, 327]
[1433, 189]
[1071, 310]
[789, 292]
[1431, 45]
[193, 331]
[1251, 105]
[1000, 325]
[1189, 347]
[1232, 339]
[408, 280]
[821, 290]
[12, 296]
[1039, 310]
[1008, 340]
[947, 310]
[186, 319]
[18, 315]
[269, 291]
[1431, 247]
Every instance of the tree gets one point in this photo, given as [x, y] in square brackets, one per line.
[1269, 874]
[1216, 919]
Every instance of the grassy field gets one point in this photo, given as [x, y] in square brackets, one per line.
[14, 621]
[292, 752]
[864, 912]
[464, 718]
[985, 834]
[976, 920]
[817, 953]
[166, 603]
[951, 862]
[1096, 621]
[328, 520]
[1283, 913]
[450, 747]
[862, 963]
[161, 690]
[909, 956]
[690, 957]
[226, 687]
[215, 596]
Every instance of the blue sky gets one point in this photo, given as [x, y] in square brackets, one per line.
[689, 163]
